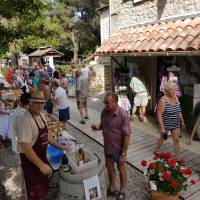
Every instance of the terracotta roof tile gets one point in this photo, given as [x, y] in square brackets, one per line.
[195, 44]
[181, 35]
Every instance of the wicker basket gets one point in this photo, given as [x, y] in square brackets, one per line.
[162, 196]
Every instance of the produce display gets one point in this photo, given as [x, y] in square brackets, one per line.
[11, 98]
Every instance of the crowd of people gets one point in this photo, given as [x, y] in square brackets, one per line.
[44, 91]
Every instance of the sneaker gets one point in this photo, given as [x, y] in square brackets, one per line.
[82, 122]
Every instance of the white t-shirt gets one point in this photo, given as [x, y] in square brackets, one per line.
[85, 71]
[137, 85]
[61, 98]
[27, 130]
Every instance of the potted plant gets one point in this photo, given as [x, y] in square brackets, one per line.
[167, 176]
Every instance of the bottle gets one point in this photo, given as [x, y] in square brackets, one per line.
[81, 156]
[65, 162]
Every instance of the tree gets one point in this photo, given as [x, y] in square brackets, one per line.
[80, 22]
[12, 13]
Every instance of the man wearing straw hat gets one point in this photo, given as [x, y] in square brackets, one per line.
[33, 139]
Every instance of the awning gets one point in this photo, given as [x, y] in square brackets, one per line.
[179, 36]
[45, 52]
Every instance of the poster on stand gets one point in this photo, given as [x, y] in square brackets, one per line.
[92, 188]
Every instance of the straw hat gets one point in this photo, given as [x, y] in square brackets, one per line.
[37, 96]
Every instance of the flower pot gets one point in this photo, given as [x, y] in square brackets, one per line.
[161, 195]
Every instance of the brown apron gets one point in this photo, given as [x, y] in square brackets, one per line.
[36, 183]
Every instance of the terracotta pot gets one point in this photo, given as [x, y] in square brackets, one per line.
[163, 196]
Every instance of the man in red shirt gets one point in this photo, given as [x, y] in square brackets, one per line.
[115, 125]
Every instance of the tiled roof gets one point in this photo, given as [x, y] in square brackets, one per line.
[46, 52]
[180, 35]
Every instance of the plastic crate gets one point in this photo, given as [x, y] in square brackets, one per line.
[93, 163]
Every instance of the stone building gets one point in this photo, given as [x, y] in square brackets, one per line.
[162, 38]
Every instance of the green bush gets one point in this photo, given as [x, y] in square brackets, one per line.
[4, 71]
[65, 69]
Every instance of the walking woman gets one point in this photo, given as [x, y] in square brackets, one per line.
[169, 118]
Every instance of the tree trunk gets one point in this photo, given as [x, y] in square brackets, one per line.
[76, 46]
[14, 59]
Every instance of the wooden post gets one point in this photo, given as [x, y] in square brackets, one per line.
[192, 135]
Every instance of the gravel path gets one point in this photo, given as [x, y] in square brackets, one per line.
[11, 183]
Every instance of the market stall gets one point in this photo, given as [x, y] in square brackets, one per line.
[80, 170]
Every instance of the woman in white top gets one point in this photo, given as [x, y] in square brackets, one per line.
[63, 81]
[4, 118]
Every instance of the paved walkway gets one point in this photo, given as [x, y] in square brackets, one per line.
[141, 146]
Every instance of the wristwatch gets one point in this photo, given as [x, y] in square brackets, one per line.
[124, 154]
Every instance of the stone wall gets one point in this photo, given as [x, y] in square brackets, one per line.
[127, 13]
[102, 79]
[104, 25]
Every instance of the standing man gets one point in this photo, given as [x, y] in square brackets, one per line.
[141, 95]
[115, 125]
[33, 138]
[82, 94]
[61, 101]
[85, 70]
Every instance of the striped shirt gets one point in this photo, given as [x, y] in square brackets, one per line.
[171, 115]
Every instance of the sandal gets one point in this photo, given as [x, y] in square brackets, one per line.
[113, 193]
[156, 154]
[121, 196]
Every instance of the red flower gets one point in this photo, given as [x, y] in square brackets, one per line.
[166, 176]
[152, 166]
[186, 171]
[144, 163]
[162, 154]
[193, 182]
[165, 155]
[160, 169]
[174, 184]
[172, 163]
[182, 161]
[155, 158]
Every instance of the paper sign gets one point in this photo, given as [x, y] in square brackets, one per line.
[92, 188]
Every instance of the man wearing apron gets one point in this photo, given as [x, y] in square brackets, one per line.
[33, 139]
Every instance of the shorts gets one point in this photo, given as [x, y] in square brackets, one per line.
[141, 99]
[64, 115]
[23, 89]
[82, 103]
[114, 157]
[49, 107]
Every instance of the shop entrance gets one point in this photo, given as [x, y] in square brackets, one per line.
[184, 71]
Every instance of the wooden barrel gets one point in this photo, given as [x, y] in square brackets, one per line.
[71, 185]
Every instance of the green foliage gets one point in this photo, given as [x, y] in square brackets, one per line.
[4, 71]
[71, 25]
[65, 69]
[15, 16]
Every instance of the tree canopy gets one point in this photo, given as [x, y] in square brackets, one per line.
[70, 25]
